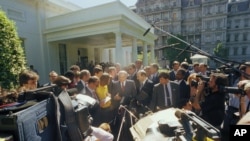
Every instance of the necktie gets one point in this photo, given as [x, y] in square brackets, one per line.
[123, 86]
[141, 86]
[167, 96]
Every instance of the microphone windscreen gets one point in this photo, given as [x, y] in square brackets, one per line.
[122, 102]
[178, 113]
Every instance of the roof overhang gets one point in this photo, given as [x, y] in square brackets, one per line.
[97, 26]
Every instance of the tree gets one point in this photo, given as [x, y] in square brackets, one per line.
[172, 54]
[12, 60]
[221, 51]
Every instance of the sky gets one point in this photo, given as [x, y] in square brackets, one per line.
[91, 3]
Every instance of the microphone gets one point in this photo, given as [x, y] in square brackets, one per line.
[145, 106]
[184, 120]
[123, 107]
[173, 45]
[123, 101]
[146, 32]
[183, 51]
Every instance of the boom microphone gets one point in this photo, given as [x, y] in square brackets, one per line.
[146, 32]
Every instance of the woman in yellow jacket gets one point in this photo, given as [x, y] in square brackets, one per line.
[104, 97]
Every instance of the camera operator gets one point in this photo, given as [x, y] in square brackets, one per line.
[245, 98]
[213, 104]
[233, 107]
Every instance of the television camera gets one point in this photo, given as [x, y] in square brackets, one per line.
[33, 115]
[233, 90]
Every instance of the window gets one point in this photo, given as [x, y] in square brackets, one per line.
[218, 23]
[62, 58]
[228, 38]
[245, 36]
[191, 2]
[237, 23]
[207, 38]
[174, 3]
[235, 51]
[233, 8]
[236, 37]
[218, 37]
[246, 22]
[244, 50]
[229, 24]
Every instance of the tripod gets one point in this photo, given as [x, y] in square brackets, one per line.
[131, 116]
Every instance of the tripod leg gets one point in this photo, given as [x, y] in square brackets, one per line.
[122, 122]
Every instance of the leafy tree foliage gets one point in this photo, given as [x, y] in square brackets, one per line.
[12, 60]
[172, 54]
[221, 51]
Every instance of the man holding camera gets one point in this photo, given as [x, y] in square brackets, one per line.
[233, 107]
[213, 104]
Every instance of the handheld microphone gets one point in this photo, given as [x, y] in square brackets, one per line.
[123, 107]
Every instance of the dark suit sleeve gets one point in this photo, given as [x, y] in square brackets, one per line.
[154, 100]
[175, 93]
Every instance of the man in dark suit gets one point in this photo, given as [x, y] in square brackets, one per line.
[184, 87]
[132, 75]
[175, 67]
[52, 77]
[144, 95]
[165, 94]
[93, 82]
[123, 92]
[84, 77]
[184, 65]
[154, 70]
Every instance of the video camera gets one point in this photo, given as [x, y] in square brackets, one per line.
[233, 90]
[203, 78]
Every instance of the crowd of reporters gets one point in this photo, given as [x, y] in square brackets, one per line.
[145, 88]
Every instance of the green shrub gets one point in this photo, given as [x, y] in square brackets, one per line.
[12, 60]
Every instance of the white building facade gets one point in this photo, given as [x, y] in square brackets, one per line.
[57, 34]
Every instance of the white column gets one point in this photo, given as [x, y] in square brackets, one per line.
[134, 50]
[152, 54]
[145, 54]
[102, 54]
[119, 56]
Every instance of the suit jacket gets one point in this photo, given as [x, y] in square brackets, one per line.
[172, 75]
[134, 78]
[144, 94]
[128, 94]
[81, 87]
[184, 90]
[155, 79]
[158, 97]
